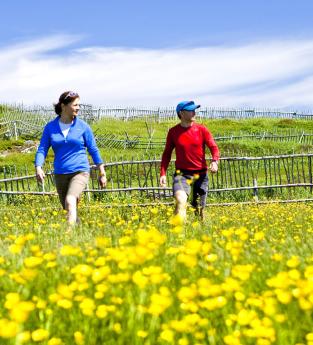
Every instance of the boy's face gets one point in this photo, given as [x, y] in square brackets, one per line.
[188, 115]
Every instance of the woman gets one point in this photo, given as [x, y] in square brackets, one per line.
[69, 137]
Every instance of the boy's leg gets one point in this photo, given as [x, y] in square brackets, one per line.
[202, 191]
[181, 203]
[181, 190]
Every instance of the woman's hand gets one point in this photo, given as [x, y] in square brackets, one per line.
[102, 180]
[40, 175]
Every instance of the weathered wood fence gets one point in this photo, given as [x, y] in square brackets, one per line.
[125, 141]
[238, 178]
[42, 114]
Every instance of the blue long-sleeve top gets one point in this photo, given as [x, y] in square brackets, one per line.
[69, 153]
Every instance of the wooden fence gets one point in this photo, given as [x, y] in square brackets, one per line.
[39, 115]
[238, 179]
[126, 141]
[161, 114]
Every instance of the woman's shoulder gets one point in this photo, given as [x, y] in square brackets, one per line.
[81, 123]
[52, 123]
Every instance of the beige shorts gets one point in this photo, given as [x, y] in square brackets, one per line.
[70, 184]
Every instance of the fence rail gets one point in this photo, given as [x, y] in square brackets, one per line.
[238, 178]
[125, 141]
[40, 115]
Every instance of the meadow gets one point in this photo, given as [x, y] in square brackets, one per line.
[140, 276]
[158, 131]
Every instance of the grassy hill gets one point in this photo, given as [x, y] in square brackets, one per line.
[10, 150]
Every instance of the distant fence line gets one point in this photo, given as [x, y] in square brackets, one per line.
[17, 128]
[120, 141]
[239, 178]
[42, 114]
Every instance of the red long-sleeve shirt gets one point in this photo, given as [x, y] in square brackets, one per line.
[189, 144]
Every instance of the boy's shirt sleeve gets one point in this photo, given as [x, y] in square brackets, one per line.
[211, 144]
[167, 154]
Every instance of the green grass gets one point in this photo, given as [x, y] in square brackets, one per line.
[216, 126]
[140, 128]
[138, 276]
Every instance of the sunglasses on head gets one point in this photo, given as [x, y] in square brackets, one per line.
[71, 94]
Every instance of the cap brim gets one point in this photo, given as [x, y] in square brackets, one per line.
[191, 107]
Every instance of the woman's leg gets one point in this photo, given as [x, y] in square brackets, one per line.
[71, 208]
[62, 182]
[76, 186]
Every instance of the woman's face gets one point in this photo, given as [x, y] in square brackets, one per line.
[72, 108]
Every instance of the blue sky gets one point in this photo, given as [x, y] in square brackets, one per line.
[220, 53]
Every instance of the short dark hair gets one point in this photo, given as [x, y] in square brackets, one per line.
[65, 98]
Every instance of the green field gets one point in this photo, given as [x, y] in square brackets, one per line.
[138, 276]
[141, 128]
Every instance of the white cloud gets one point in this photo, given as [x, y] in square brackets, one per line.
[275, 74]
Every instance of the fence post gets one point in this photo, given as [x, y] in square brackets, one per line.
[310, 172]
[15, 130]
[255, 190]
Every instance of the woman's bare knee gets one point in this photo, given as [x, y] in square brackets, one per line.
[70, 201]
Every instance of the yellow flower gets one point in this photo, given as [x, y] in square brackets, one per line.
[102, 311]
[20, 312]
[309, 337]
[259, 236]
[65, 291]
[40, 334]
[64, 303]
[293, 262]
[15, 248]
[87, 306]
[79, 338]
[12, 298]
[103, 242]
[23, 337]
[32, 261]
[84, 270]
[277, 257]
[283, 296]
[49, 256]
[142, 334]
[242, 271]
[186, 293]
[245, 317]
[232, 340]
[140, 280]
[167, 335]
[55, 341]
[196, 176]
[100, 273]
[117, 328]
[176, 220]
[8, 329]
[68, 250]
[183, 341]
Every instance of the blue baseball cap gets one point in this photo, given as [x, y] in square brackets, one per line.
[186, 105]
